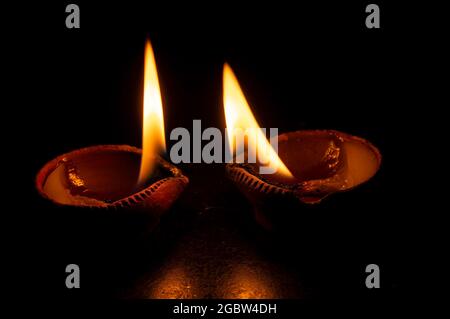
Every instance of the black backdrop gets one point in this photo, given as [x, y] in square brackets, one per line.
[304, 66]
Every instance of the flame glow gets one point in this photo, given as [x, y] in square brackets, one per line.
[238, 115]
[153, 136]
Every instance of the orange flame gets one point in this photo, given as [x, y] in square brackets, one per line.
[239, 117]
[153, 136]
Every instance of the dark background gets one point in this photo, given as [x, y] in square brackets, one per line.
[305, 66]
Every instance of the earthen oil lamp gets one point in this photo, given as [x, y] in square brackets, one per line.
[134, 186]
[310, 165]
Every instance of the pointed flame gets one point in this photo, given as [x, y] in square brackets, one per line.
[239, 116]
[153, 136]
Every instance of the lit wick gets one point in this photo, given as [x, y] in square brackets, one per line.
[239, 118]
[153, 136]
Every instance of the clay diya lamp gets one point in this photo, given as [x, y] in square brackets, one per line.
[309, 165]
[103, 179]
[133, 187]
[322, 162]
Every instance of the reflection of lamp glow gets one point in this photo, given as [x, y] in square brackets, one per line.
[248, 283]
[174, 284]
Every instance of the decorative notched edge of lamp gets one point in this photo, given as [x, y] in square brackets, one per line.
[274, 201]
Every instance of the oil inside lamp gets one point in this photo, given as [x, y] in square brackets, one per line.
[119, 175]
[310, 164]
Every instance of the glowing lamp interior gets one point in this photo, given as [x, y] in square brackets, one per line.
[239, 117]
[153, 136]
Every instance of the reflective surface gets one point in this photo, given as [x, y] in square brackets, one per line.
[212, 248]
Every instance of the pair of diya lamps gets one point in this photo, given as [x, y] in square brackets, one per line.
[103, 178]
